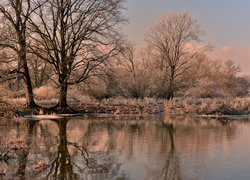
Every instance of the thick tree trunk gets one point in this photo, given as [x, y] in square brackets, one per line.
[62, 106]
[63, 95]
[28, 89]
[28, 85]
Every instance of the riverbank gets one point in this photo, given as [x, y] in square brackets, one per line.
[120, 106]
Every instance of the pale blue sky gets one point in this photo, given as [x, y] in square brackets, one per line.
[225, 22]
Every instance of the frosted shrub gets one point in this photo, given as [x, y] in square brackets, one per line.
[45, 92]
[17, 101]
[77, 95]
[5, 92]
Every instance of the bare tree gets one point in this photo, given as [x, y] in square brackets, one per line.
[133, 72]
[40, 71]
[8, 67]
[215, 78]
[15, 14]
[76, 37]
[170, 39]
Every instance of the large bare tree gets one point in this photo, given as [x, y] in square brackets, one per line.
[170, 39]
[76, 37]
[15, 15]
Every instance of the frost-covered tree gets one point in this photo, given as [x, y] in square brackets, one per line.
[170, 38]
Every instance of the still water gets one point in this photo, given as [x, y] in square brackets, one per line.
[135, 148]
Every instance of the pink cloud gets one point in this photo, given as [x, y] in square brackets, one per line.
[194, 46]
[241, 55]
[225, 49]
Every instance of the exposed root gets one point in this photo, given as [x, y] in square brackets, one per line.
[33, 106]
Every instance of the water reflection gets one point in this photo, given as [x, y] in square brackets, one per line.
[23, 152]
[61, 166]
[125, 148]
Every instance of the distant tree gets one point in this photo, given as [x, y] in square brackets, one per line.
[41, 71]
[133, 72]
[170, 39]
[129, 75]
[8, 67]
[77, 37]
[217, 78]
[15, 15]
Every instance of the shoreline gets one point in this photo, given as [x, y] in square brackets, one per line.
[197, 107]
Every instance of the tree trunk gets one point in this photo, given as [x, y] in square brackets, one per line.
[63, 95]
[29, 89]
[62, 105]
[28, 85]
[170, 93]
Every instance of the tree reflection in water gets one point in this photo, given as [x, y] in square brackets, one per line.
[112, 149]
[23, 152]
[93, 164]
[61, 167]
[171, 169]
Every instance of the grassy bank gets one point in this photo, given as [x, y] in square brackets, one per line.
[215, 106]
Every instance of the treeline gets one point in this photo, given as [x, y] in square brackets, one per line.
[64, 45]
[142, 76]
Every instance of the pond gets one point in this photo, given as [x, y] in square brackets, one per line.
[127, 147]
